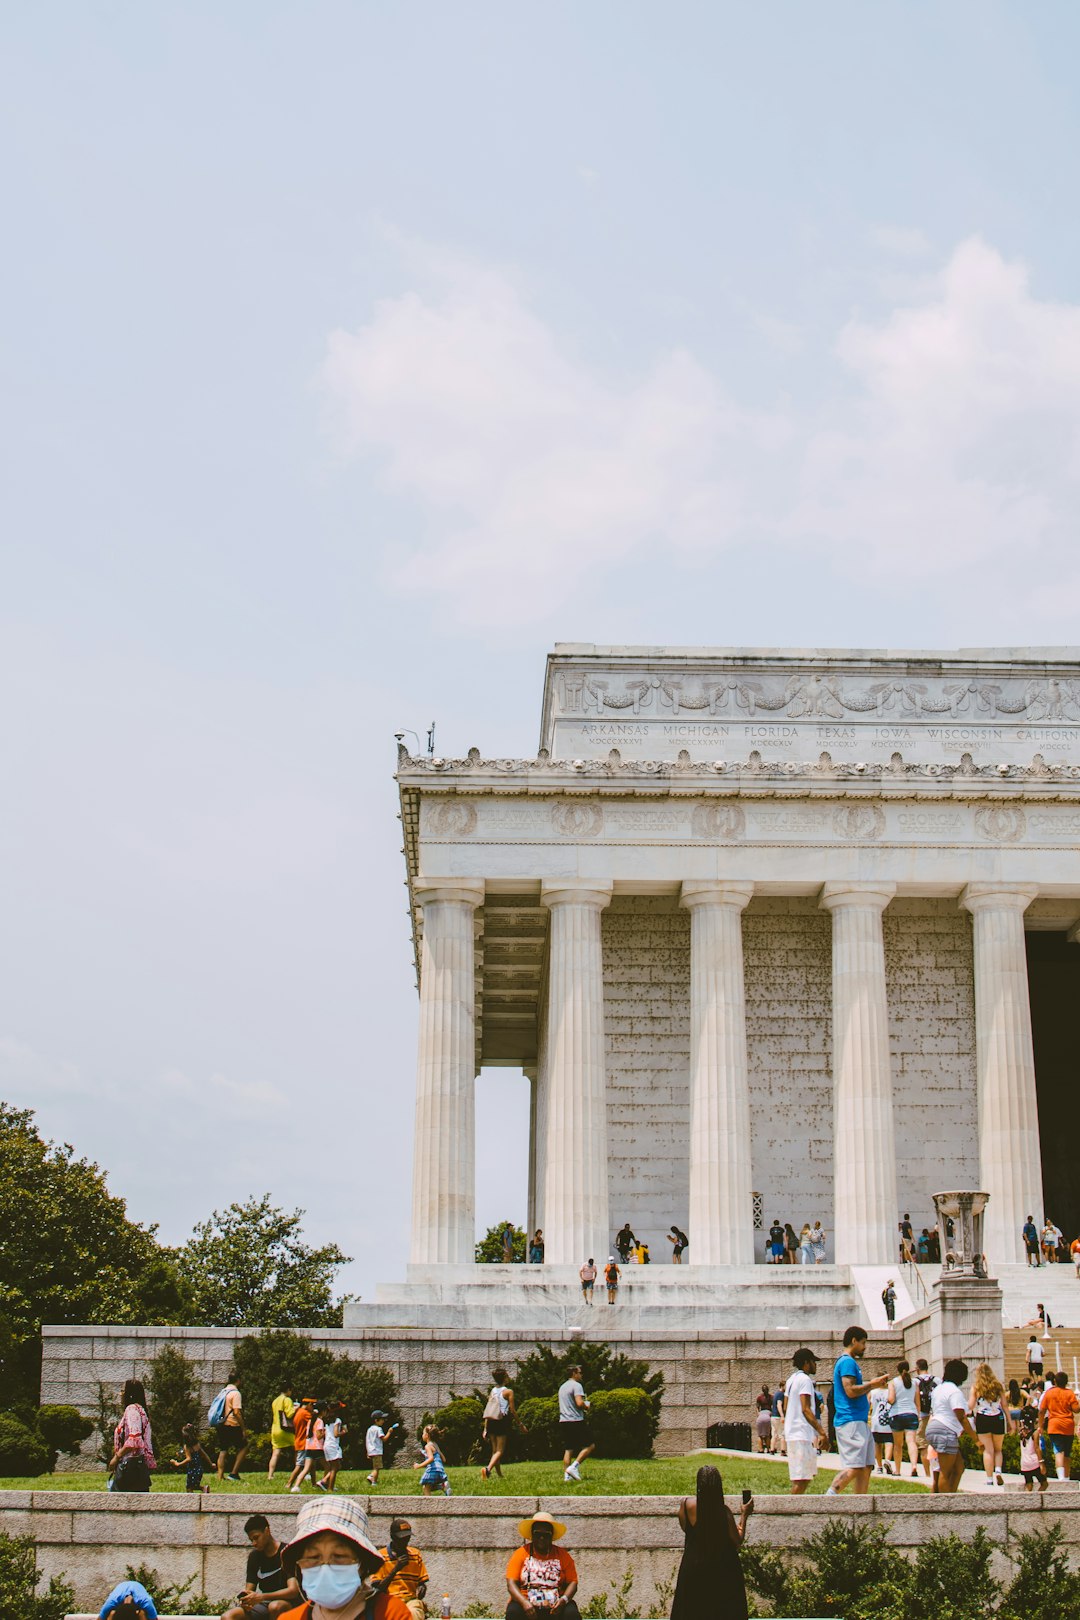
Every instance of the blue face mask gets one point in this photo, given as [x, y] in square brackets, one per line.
[331, 1585]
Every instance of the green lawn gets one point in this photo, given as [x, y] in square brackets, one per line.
[662, 1476]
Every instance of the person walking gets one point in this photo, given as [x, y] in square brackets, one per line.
[506, 1234]
[575, 1430]
[333, 1433]
[536, 1248]
[499, 1416]
[1031, 1460]
[948, 1421]
[907, 1238]
[1034, 1356]
[132, 1461]
[1031, 1242]
[804, 1434]
[434, 1478]
[611, 1278]
[776, 1421]
[1057, 1418]
[987, 1406]
[925, 1383]
[806, 1245]
[710, 1579]
[303, 1418]
[194, 1460]
[851, 1402]
[588, 1279]
[881, 1431]
[903, 1399]
[791, 1244]
[374, 1441]
[776, 1243]
[888, 1299]
[679, 1245]
[817, 1243]
[231, 1436]
[282, 1434]
[763, 1421]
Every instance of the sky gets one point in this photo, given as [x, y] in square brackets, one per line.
[354, 354]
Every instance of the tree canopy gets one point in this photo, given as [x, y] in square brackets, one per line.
[248, 1266]
[489, 1250]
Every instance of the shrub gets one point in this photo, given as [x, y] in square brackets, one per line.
[540, 1416]
[19, 1581]
[543, 1370]
[461, 1421]
[851, 1572]
[22, 1450]
[172, 1394]
[952, 1578]
[63, 1428]
[1044, 1587]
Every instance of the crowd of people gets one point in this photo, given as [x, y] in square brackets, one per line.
[331, 1564]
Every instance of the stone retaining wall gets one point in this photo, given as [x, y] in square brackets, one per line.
[707, 1378]
[89, 1537]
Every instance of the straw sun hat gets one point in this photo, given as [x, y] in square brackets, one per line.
[525, 1527]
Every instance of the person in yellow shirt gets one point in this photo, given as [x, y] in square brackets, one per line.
[403, 1573]
[282, 1438]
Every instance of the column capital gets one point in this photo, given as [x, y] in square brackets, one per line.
[716, 892]
[575, 892]
[840, 892]
[998, 896]
[466, 891]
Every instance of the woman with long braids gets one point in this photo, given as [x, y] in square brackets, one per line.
[710, 1579]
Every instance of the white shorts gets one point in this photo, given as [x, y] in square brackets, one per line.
[802, 1460]
[855, 1445]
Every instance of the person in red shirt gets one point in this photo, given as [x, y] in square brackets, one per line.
[540, 1577]
[333, 1558]
[303, 1418]
[1057, 1418]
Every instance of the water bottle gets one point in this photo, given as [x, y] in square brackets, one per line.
[445, 1611]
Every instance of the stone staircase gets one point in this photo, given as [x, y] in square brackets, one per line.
[1062, 1348]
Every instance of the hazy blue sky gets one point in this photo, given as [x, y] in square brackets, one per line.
[353, 354]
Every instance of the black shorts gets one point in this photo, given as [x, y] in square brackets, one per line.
[903, 1421]
[230, 1438]
[984, 1424]
[499, 1425]
[575, 1436]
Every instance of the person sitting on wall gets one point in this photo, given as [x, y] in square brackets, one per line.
[403, 1574]
[131, 1601]
[268, 1591]
[334, 1559]
[540, 1577]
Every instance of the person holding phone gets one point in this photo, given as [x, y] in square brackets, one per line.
[710, 1577]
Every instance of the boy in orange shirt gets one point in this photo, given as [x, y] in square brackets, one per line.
[1057, 1418]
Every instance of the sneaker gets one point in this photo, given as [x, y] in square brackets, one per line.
[294, 1490]
[832, 1491]
[235, 1478]
[319, 1486]
[573, 1472]
[567, 1476]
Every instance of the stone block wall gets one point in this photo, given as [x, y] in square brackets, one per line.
[708, 1378]
[466, 1541]
[646, 944]
[929, 969]
[787, 949]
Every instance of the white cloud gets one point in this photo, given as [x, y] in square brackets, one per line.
[954, 437]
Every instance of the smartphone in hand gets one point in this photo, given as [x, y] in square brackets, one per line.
[746, 1496]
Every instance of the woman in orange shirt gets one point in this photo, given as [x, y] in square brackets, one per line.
[333, 1557]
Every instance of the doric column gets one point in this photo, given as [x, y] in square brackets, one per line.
[864, 1154]
[1009, 1157]
[533, 1219]
[575, 1196]
[721, 1193]
[444, 1146]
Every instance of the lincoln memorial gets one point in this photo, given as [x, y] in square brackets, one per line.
[770, 934]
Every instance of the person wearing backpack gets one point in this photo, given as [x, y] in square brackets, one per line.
[925, 1383]
[226, 1418]
[499, 1416]
[132, 1459]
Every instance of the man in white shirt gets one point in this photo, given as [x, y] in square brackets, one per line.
[803, 1430]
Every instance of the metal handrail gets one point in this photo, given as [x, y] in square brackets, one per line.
[921, 1292]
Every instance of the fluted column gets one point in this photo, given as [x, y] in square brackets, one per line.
[444, 1151]
[1009, 1156]
[575, 1197]
[864, 1154]
[721, 1194]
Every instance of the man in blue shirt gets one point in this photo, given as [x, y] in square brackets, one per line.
[851, 1401]
[128, 1601]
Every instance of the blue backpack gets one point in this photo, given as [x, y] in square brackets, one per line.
[216, 1413]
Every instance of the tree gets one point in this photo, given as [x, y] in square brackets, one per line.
[249, 1267]
[68, 1252]
[266, 1362]
[172, 1393]
[489, 1250]
[541, 1372]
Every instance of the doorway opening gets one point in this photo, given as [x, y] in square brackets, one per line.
[503, 1097]
[1054, 990]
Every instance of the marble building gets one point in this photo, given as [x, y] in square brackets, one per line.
[765, 931]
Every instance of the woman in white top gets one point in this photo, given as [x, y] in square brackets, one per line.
[904, 1417]
[948, 1421]
[499, 1415]
[817, 1243]
[335, 1428]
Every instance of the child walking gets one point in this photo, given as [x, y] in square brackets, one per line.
[195, 1460]
[1031, 1463]
[434, 1475]
[373, 1444]
[332, 1437]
